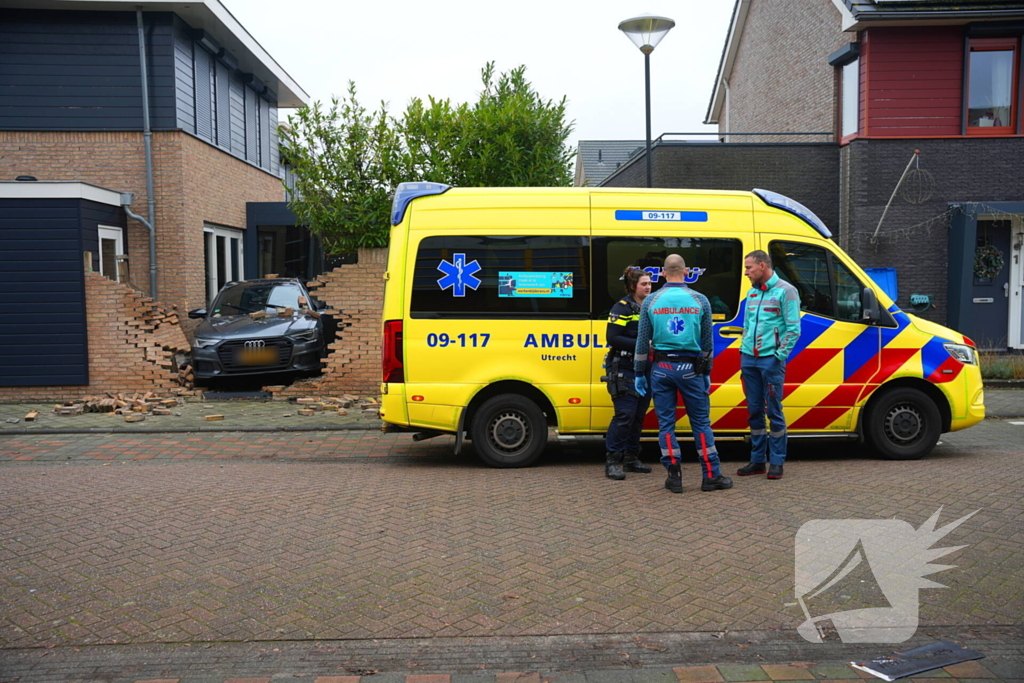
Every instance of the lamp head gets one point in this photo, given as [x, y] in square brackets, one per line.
[646, 31]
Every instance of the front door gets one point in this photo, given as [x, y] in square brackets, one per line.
[990, 285]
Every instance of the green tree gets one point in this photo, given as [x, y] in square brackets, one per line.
[347, 162]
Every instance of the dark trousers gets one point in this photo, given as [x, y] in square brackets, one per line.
[628, 421]
[762, 379]
[668, 380]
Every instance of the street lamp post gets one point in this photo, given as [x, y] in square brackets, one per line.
[646, 31]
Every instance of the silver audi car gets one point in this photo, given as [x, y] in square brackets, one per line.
[259, 327]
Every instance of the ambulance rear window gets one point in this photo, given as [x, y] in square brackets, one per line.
[478, 276]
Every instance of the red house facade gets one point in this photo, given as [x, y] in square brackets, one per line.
[925, 101]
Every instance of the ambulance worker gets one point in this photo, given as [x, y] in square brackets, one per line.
[676, 324]
[623, 438]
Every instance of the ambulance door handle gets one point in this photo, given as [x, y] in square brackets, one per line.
[730, 331]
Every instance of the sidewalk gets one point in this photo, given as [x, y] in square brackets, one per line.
[255, 415]
[190, 415]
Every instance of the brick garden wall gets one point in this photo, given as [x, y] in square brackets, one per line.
[132, 342]
[805, 172]
[964, 170]
[355, 295]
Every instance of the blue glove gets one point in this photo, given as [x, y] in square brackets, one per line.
[707, 384]
[640, 384]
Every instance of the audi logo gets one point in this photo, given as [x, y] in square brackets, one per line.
[255, 344]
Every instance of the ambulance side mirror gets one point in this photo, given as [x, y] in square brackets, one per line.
[869, 305]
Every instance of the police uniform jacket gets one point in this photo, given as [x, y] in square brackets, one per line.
[623, 326]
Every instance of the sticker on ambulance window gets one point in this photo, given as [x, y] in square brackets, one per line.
[679, 216]
[532, 285]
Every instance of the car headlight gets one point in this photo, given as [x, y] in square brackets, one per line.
[200, 343]
[967, 355]
[309, 335]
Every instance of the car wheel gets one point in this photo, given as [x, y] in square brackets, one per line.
[509, 430]
[902, 424]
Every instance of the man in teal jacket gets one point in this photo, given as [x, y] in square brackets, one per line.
[771, 328]
[675, 323]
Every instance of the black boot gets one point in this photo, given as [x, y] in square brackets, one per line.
[632, 463]
[718, 483]
[674, 483]
[752, 468]
[775, 472]
[613, 466]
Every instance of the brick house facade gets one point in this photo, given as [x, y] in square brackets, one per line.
[72, 90]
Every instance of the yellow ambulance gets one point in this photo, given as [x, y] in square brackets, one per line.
[496, 303]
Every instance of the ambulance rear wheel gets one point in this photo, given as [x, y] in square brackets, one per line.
[509, 430]
[903, 424]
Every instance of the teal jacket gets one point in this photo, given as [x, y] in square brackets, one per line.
[771, 324]
[675, 318]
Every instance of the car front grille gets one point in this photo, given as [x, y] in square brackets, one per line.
[229, 354]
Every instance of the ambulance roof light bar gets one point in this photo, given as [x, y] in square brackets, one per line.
[794, 207]
[406, 192]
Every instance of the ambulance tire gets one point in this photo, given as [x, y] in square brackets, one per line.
[509, 430]
[903, 424]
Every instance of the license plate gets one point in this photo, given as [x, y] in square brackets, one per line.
[264, 356]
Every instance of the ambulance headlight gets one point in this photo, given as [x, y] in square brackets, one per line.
[963, 353]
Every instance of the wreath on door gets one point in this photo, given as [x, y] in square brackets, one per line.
[988, 261]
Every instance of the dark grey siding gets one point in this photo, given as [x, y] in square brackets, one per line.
[275, 152]
[223, 107]
[184, 81]
[204, 94]
[237, 93]
[42, 312]
[252, 149]
[67, 70]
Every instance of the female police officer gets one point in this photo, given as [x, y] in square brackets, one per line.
[623, 438]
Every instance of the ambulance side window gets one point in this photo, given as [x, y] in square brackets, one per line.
[806, 268]
[716, 269]
[826, 286]
[498, 276]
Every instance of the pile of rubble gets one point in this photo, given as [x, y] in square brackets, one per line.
[134, 408]
[370, 407]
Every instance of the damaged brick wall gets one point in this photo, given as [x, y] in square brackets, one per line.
[354, 294]
[132, 342]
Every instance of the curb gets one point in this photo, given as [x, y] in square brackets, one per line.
[1003, 383]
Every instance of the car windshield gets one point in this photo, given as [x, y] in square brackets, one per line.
[250, 298]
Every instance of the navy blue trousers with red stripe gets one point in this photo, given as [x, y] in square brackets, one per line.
[668, 380]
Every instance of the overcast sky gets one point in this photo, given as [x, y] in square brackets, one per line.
[399, 49]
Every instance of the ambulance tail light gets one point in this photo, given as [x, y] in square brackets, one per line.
[392, 366]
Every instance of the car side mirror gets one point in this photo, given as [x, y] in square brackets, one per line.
[197, 313]
[869, 306]
[316, 304]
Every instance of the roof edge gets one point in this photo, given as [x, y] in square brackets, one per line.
[725, 64]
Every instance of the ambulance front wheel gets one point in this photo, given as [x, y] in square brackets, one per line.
[903, 424]
[509, 430]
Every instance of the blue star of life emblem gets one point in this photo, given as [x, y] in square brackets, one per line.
[676, 325]
[458, 275]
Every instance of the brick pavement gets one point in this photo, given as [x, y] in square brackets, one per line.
[359, 537]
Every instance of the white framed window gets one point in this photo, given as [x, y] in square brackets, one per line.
[111, 246]
[851, 98]
[225, 256]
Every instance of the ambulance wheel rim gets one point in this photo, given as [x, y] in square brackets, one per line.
[904, 424]
[509, 431]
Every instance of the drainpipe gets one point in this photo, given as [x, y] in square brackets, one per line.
[147, 136]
